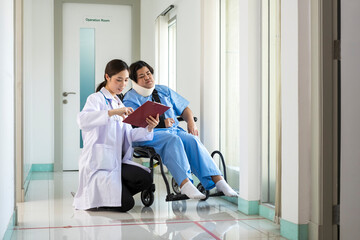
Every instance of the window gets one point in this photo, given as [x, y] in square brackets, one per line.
[165, 52]
[229, 89]
[229, 82]
[172, 54]
[270, 102]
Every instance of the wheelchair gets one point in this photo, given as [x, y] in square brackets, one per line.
[147, 196]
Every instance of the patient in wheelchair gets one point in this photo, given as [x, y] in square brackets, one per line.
[181, 151]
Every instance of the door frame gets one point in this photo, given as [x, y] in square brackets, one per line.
[58, 68]
[19, 110]
[329, 120]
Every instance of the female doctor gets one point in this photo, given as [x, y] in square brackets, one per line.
[106, 171]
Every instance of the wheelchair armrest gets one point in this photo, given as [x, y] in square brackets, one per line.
[181, 119]
[145, 152]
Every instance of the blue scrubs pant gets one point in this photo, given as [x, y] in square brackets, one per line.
[183, 153]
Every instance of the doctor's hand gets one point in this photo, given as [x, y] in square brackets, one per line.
[192, 129]
[122, 112]
[169, 122]
[152, 122]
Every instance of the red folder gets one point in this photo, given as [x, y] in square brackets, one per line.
[138, 117]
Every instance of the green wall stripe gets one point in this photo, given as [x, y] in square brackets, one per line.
[42, 167]
[87, 66]
[293, 231]
[27, 181]
[47, 167]
[42, 176]
[231, 199]
[10, 229]
[267, 212]
[248, 207]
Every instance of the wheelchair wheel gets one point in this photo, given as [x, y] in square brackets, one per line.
[201, 188]
[147, 197]
[175, 186]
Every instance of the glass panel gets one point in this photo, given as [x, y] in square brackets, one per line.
[172, 53]
[270, 51]
[229, 89]
[87, 66]
[264, 100]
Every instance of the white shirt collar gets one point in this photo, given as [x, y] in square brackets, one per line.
[145, 92]
[108, 95]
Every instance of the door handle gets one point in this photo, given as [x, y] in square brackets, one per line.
[67, 93]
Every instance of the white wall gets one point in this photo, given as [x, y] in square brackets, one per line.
[7, 121]
[350, 119]
[209, 74]
[38, 83]
[304, 103]
[290, 119]
[296, 125]
[249, 100]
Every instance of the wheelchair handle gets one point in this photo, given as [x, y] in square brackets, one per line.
[158, 158]
[222, 161]
[180, 119]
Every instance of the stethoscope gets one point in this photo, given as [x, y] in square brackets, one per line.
[108, 102]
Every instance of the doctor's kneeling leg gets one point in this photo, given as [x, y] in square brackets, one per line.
[134, 180]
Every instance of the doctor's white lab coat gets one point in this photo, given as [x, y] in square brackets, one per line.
[107, 144]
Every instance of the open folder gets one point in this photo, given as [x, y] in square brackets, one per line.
[138, 117]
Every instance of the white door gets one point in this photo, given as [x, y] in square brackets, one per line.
[93, 34]
[350, 120]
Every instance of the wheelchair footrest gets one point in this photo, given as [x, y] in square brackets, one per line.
[216, 194]
[177, 197]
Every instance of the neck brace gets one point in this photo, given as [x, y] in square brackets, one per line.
[145, 92]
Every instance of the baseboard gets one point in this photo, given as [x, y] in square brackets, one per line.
[267, 212]
[231, 199]
[293, 231]
[45, 167]
[11, 226]
[27, 182]
[248, 207]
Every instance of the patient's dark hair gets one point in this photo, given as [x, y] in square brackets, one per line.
[112, 68]
[136, 66]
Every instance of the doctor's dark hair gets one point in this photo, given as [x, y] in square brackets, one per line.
[112, 68]
[136, 66]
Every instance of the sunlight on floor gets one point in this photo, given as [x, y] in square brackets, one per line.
[48, 214]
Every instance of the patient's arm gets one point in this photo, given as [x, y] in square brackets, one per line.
[188, 116]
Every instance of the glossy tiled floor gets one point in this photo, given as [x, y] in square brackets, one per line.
[47, 213]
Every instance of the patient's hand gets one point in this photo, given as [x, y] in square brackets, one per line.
[192, 129]
[169, 122]
[152, 122]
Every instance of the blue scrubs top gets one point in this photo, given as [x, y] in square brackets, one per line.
[167, 97]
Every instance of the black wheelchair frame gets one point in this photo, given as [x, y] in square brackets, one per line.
[147, 196]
